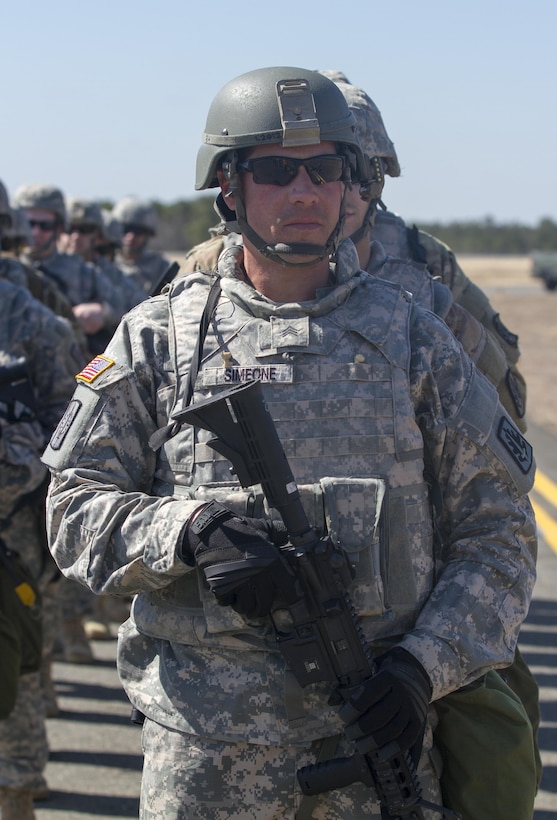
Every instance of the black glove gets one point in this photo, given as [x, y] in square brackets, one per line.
[240, 559]
[391, 706]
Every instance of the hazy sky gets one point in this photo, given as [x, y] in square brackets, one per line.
[109, 98]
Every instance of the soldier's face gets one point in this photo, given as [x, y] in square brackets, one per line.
[356, 210]
[44, 229]
[302, 210]
[134, 239]
[81, 240]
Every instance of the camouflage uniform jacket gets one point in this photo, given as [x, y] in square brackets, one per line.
[361, 384]
[145, 271]
[500, 353]
[465, 307]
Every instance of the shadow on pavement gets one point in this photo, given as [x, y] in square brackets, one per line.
[101, 805]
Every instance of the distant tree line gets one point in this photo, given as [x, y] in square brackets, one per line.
[185, 223]
[486, 236]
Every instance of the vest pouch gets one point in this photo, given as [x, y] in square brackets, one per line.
[354, 519]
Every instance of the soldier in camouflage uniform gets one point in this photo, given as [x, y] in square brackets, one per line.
[85, 229]
[71, 598]
[15, 234]
[29, 330]
[110, 240]
[94, 300]
[366, 389]
[439, 284]
[139, 223]
[496, 349]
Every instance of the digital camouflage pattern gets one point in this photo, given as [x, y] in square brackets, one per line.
[359, 382]
[400, 240]
[463, 305]
[259, 779]
[29, 330]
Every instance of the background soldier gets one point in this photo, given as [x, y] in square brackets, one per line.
[497, 353]
[139, 223]
[29, 332]
[94, 300]
[364, 387]
[86, 230]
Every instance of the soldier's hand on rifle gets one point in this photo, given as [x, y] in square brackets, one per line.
[239, 557]
[391, 706]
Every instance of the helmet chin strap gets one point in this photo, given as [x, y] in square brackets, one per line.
[238, 223]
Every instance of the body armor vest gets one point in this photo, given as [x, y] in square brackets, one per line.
[332, 381]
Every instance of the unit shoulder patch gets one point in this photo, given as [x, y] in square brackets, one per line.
[520, 450]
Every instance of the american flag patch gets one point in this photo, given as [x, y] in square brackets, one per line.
[94, 369]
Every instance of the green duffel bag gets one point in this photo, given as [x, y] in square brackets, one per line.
[486, 741]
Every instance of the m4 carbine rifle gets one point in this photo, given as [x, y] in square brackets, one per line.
[320, 639]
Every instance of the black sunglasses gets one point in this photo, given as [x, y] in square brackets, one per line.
[131, 228]
[42, 224]
[282, 170]
[84, 229]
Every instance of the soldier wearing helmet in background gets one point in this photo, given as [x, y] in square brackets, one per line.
[366, 389]
[110, 240]
[86, 228]
[82, 229]
[93, 298]
[139, 223]
[497, 353]
[42, 349]
[16, 235]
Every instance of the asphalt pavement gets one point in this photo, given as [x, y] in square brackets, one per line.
[94, 769]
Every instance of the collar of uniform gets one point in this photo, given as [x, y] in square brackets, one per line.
[377, 258]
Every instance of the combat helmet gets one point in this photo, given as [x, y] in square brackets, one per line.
[370, 128]
[46, 197]
[84, 212]
[111, 231]
[136, 212]
[284, 106]
[376, 144]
